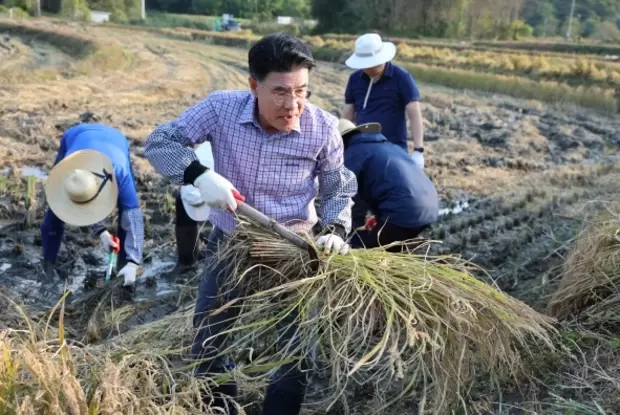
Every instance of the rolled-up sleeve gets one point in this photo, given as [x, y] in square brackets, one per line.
[168, 147]
[132, 221]
[337, 184]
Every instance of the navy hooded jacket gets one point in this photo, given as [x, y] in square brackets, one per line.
[394, 188]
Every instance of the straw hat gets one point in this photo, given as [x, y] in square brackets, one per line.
[81, 189]
[346, 127]
[195, 207]
[371, 51]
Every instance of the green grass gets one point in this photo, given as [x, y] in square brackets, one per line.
[190, 21]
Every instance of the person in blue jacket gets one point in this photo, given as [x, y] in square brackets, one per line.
[91, 177]
[399, 194]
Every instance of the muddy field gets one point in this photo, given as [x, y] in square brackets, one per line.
[516, 178]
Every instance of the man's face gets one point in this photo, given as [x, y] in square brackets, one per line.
[374, 71]
[281, 98]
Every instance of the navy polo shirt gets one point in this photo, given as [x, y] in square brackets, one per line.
[387, 101]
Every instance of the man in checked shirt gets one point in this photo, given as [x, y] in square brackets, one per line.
[270, 145]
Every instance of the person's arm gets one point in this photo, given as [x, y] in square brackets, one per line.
[358, 212]
[348, 111]
[337, 186]
[411, 98]
[360, 207]
[132, 219]
[169, 147]
[62, 149]
[132, 222]
[416, 123]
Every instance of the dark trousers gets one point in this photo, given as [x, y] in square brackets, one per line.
[385, 233]
[53, 229]
[186, 233]
[288, 387]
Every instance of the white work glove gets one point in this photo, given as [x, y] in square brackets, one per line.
[191, 195]
[128, 272]
[333, 242]
[418, 159]
[107, 241]
[216, 191]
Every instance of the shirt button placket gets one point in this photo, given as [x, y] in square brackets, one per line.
[260, 182]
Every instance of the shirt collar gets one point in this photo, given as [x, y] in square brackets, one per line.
[248, 115]
[387, 73]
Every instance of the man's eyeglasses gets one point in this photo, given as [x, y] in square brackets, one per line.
[280, 98]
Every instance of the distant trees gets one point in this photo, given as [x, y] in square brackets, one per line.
[477, 19]
[501, 19]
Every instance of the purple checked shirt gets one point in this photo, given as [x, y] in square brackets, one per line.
[276, 173]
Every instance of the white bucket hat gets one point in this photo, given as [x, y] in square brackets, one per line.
[195, 207]
[346, 127]
[371, 51]
[81, 189]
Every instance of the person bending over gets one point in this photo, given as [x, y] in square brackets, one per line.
[401, 197]
[91, 177]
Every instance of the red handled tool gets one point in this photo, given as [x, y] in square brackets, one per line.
[370, 223]
[112, 258]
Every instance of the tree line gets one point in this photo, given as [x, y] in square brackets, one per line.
[478, 19]
[502, 19]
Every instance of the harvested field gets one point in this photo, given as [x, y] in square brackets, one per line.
[517, 178]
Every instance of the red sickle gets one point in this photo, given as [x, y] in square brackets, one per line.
[238, 195]
[370, 223]
[117, 248]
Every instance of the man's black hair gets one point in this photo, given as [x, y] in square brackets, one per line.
[278, 52]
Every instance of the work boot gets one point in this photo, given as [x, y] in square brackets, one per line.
[49, 271]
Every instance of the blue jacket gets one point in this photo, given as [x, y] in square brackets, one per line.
[112, 143]
[393, 187]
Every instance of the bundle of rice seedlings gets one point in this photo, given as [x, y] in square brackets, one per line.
[52, 375]
[378, 318]
[591, 272]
